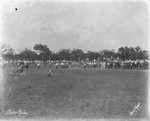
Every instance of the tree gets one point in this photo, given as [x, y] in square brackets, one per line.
[54, 56]
[64, 54]
[108, 54]
[145, 54]
[28, 55]
[132, 53]
[92, 55]
[142, 54]
[77, 54]
[138, 49]
[43, 52]
[124, 52]
[7, 52]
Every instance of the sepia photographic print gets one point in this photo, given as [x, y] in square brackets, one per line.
[81, 60]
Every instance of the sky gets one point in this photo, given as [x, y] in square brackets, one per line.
[87, 25]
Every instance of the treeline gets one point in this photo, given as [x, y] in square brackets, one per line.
[42, 52]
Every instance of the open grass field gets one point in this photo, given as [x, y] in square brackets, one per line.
[76, 93]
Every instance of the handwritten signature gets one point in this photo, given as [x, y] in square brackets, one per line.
[19, 112]
[135, 110]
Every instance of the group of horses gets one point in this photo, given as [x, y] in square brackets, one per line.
[19, 69]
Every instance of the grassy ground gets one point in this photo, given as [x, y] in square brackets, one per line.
[76, 93]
